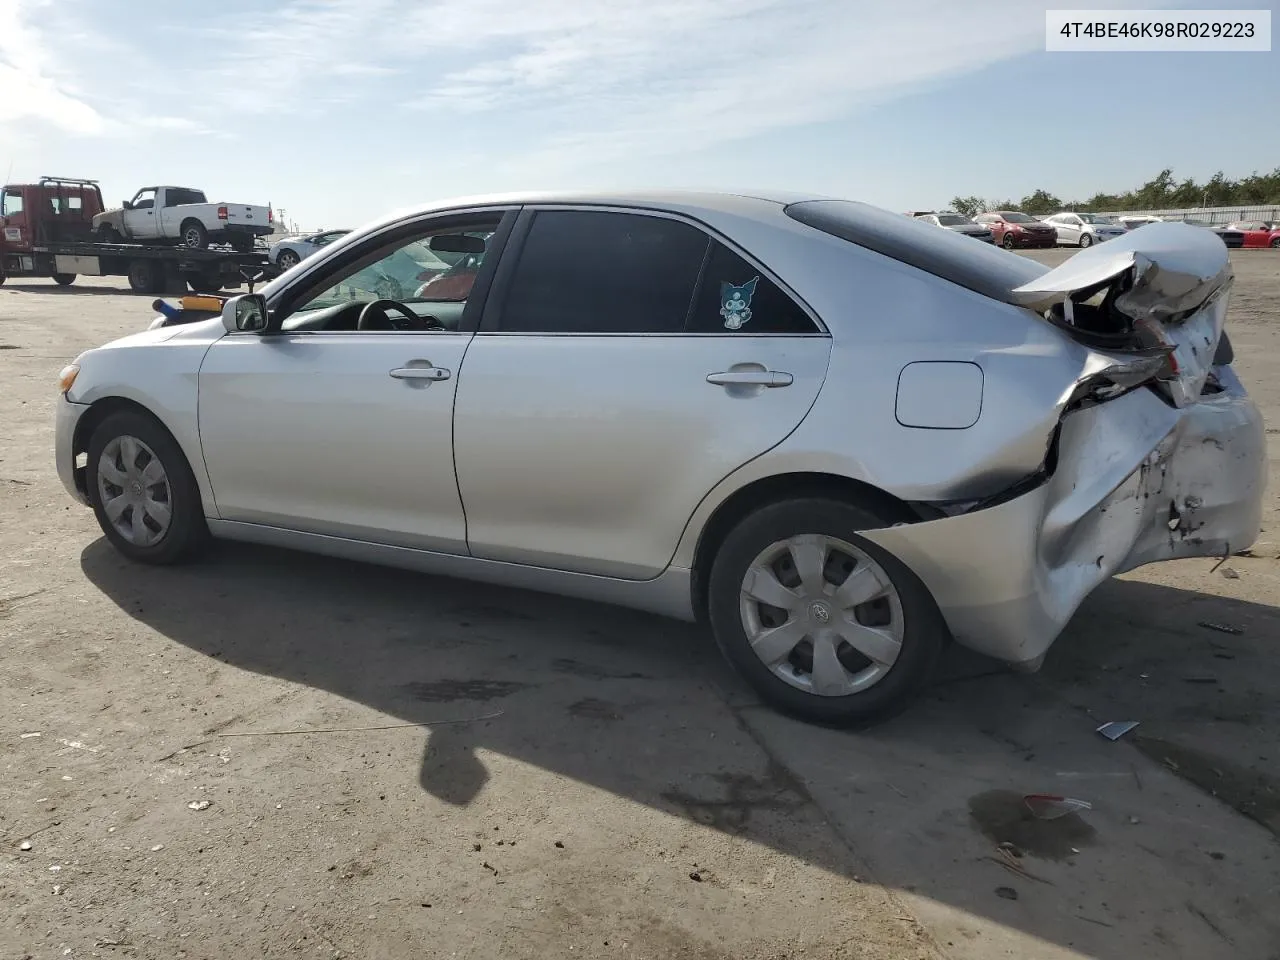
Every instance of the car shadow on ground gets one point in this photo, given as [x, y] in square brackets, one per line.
[623, 701]
[75, 289]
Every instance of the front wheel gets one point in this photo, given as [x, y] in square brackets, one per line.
[287, 260]
[64, 279]
[823, 624]
[109, 234]
[142, 490]
[1275, 242]
[1086, 240]
[1007, 243]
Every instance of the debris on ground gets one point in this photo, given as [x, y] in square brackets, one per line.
[199, 805]
[559, 844]
[1221, 627]
[1230, 574]
[24, 845]
[695, 876]
[28, 736]
[1006, 893]
[1045, 806]
[1116, 729]
[157, 848]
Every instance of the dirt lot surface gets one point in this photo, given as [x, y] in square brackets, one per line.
[271, 755]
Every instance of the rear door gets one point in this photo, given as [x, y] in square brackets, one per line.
[626, 362]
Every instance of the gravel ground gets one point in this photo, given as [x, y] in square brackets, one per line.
[269, 755]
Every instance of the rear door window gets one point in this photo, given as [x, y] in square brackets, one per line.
[735, 297]
[591, 272]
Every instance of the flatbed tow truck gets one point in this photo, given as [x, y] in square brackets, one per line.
[46, 230]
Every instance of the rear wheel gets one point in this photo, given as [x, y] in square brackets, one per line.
[194, 235]
[142, 490]
[143, 276]
[64, 279]
[823, 624]
[1086, 240]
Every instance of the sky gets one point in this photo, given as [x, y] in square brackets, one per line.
[338, 111]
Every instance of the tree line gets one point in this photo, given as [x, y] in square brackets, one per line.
[1162, 192]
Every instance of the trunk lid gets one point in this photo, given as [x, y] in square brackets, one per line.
[1157, 291]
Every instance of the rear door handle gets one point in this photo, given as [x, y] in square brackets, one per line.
[420, 373]
[750, 378]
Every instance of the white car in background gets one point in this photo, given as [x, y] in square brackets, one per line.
[293, 250]
[1140, 220]
[1084, 229]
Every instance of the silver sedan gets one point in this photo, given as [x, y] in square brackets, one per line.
[839, 436]
[291, 251]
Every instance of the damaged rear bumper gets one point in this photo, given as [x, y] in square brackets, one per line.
[1137, 480]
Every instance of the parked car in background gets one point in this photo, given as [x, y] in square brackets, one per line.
[291, 251]
[655, 410]
[1133, 222]
[1258, 233]
[958, 224]
[183, 215]
[1084, 229]
[1013, 230]
[1232, 238]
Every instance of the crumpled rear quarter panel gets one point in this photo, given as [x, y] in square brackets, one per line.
[1137, 481]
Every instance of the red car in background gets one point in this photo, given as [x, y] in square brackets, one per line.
[1011, 229]
[1258, 233]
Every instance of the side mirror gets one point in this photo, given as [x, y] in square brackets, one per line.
[246, 313]
[126, 205]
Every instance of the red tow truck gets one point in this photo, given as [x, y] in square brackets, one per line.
[46, 230]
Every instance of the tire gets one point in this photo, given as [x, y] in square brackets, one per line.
[175, 494]
[1007, 242]
[143, 276]
[287, 260]
[1275, 243]
[1086, 241]
[193, 235]
[109, 234]
[64, 279]
[906, 610]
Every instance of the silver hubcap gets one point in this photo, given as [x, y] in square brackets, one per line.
[134, 491]
[193, 238]
[822, 615]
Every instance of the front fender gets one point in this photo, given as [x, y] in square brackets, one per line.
[159, 371]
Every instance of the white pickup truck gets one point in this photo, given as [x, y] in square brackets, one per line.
[184, 216]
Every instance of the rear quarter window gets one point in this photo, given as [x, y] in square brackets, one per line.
[735, 297]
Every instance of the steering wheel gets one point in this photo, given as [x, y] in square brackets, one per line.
[374, 316]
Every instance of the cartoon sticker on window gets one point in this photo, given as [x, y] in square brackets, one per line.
[735, 302]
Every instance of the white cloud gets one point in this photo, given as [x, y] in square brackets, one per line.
[32, 87]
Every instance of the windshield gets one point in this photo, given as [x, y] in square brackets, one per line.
[952, 219]
[1018, 218]
[1096, 218]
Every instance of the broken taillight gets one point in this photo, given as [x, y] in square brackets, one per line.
[222, 213]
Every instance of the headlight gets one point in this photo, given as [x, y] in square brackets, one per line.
[68, 376]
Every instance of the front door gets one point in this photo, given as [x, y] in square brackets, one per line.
[341, 423]
[140, 221]
[631, 364]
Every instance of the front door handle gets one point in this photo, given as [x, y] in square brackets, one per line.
[420, 373]
[750, 378]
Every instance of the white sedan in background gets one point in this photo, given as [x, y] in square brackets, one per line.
[1084, 229]
[293, 250]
